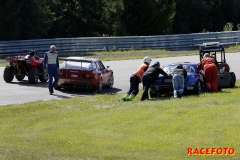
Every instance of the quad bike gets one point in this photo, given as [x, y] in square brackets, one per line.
[21, 66]
[226, 79]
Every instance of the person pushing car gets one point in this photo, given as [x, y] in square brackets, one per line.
[51, 66]
[208, 64]
[179, 74]
[149, 77]
[135, 79]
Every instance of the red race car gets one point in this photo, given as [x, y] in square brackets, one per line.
[84, 73]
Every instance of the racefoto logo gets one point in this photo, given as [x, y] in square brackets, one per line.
[210, 151]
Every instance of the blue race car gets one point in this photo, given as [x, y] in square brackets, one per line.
[194, 83]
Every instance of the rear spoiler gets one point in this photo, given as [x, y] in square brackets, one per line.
[75, 60]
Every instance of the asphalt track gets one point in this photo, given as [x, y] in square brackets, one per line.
[23, 92]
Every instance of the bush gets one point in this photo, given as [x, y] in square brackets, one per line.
[238, 26]
[228, 27]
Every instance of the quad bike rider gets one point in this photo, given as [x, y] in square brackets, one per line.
[21, 66]
[226, 79]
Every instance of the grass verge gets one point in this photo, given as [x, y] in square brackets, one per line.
[102, 127]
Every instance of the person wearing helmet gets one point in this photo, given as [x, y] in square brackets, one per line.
[208, 64]
[135, 79]
[149, 77]
[179, 74]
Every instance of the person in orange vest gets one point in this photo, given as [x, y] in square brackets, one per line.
[135, 79]
[210, 71]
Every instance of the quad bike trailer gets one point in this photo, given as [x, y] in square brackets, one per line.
[226, 79]
[21, 66]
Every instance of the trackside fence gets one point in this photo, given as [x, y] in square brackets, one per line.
[88, 44]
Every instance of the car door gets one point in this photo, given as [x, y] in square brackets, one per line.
[103, 72]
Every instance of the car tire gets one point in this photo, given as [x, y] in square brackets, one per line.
[99, 87]
[197, 88]
[20, 77]
[233, 80]
[8, 74]
[33, 75]
[111, 81]
[57, 87]
[152, 95]
[43, 77]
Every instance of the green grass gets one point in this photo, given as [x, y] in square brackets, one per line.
[102, 127]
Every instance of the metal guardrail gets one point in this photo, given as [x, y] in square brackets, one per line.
[88, 44]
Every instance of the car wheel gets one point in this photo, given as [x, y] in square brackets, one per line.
[233, 80]
[99, 87]
[57, 87]
[8, 74]
[197, 88]
[33, 75]
[152, 95]
[111, 81]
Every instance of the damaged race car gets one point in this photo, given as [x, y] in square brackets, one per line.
[194, 82]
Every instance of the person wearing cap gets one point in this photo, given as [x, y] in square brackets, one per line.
[135, 79]
[149, 77]
[179, 74]
[51, 66]
[208, 64]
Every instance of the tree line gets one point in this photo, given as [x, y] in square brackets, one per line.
[34, 19]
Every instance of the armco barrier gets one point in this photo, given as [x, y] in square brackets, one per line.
[88, 44]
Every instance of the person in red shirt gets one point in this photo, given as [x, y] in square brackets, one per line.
[210, 71]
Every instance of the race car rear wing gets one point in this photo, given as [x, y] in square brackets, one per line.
[80, 66]
[76, 60]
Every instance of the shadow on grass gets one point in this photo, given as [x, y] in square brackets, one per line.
[169, 95]
[82, 92]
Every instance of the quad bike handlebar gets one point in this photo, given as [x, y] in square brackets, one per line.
[30, 52]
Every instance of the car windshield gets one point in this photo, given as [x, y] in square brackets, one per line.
[169, 69]
[87, 66]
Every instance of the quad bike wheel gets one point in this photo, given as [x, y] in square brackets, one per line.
[20, 77]
[33, 75]
[8, 74]
[43, 77]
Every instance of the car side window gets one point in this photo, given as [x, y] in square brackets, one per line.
[93, 65]
[188, 69]
[102, 67]
[98, 67]
[192, 69]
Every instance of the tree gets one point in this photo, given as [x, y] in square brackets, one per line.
[191, 16]
[75, 18]
[9, 24]
[211, 15]
[35, 19]
[24, 19]
[140, 17]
